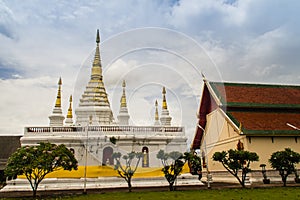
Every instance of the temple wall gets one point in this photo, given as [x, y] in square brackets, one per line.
[222, 137]
[265, 146]
[97, 138]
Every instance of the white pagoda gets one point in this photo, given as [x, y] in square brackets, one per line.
[95, 134]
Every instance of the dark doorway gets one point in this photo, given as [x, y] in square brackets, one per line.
[145, 160]
[107, 156]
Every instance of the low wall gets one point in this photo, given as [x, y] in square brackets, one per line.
[255, 176]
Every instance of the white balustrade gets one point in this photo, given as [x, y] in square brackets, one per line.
[107, 129]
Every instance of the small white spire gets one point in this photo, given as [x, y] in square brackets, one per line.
[69, 119]
[123, 116]
[156, 122]
[57, 118]
[165, 118]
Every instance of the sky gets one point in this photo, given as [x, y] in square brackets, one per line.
[150, 44]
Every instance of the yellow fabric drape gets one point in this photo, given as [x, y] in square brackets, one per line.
[107, 171]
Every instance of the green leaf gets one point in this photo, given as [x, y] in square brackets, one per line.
[38, 161]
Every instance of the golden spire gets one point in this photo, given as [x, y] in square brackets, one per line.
[123, 98]
[97, 68]
[95, 95]
[164, 103]
[58, 98]
[70, 114]
[156, 111]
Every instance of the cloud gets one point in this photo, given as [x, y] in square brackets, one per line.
[231, 40]
[6, 21]
[244, 37]
[26, 102]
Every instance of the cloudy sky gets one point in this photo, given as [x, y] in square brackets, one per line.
[150, 44]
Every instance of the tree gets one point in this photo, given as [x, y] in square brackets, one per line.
[284, 162]
[35, 162]
[171, 171]
[127, 171]
[194, 162]
[236, 160]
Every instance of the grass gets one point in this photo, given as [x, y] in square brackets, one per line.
[274, 193]
[267, 193]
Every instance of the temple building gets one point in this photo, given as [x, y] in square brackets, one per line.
[94, 134]
[261, 118]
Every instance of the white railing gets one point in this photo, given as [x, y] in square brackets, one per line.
[115, 128]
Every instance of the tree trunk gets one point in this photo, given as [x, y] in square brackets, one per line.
[284, 180]
[243, 184]
[171, 186]
[129, 185]
[240, 181]
[244, 175]
[34, 190]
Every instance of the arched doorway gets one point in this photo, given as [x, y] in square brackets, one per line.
[145, 158]
[107, 156]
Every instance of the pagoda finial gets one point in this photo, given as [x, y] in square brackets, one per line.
[59, 81]
[97, 68]
[164, 103]
[58, 98]
[98, 37]
[156, 111]
[123, 98]
[70, 114]
[156, 119]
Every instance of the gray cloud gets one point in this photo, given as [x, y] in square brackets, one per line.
[233, 40]
[7, 21]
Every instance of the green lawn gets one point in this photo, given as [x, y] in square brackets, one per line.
[280, 193]
[269, 193]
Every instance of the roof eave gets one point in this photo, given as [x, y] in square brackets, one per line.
[270, 133]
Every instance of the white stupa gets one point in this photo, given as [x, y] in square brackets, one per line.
[96, 132]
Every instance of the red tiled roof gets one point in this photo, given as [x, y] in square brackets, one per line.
[263, 121]
[257, 93]
[261, 109]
